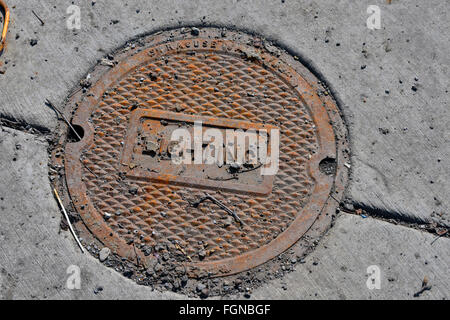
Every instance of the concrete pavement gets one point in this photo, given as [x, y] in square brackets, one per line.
[391, 84]
[35, 253]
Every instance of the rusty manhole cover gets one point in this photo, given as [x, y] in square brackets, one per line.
[133, 198]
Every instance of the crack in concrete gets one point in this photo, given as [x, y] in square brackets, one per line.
[23, 126]
[398, 218]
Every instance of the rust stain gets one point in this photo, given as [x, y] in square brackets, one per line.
[5, 25]
[226, 84]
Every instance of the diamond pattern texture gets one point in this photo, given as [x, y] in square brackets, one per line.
[207, 84]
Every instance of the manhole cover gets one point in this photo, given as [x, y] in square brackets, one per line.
[219, 219]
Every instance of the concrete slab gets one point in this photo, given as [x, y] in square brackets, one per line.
[400, 137]
[337, 269]
[34, 253]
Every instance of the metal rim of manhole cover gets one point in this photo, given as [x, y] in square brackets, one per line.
[218, 219]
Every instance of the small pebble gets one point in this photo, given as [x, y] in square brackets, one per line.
[104, 253]
[133, 190]
[98, 289]
[205, 293]
[200, 287]
[195, 31]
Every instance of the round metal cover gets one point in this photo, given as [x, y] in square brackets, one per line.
[132, 198]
